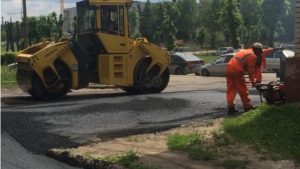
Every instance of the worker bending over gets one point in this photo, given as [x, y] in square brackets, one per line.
[243, 61]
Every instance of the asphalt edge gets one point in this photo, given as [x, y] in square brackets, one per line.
[81, 161]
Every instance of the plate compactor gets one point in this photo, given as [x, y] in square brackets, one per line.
[273, 92]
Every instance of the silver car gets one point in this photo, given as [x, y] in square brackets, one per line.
[222, 50]
[273, 59]
[216, 67]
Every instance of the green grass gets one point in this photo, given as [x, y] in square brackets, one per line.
[126, 159]
[272, 131]
[8, 77]
[207, 57]
[3, 47]
[274, 128]
[183, 142]
[191, 143]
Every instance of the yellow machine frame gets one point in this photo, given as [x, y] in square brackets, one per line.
[136, 65]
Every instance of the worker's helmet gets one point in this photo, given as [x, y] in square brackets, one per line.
[258, 46]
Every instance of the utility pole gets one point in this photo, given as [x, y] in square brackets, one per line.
[11, 14]
[25, 24]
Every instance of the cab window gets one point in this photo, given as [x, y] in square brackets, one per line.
[121, 22]
[86, 19]
[112, 19]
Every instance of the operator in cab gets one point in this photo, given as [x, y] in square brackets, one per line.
[106, 23]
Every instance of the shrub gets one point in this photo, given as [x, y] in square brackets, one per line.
[8, 57]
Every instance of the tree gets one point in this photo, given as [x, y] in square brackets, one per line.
[75, 27]
[231, 19]
[58, 23]
[9, 41]
[251, 24]
[201, 35]
[209, 16]
[44, 26]
[288, 24]
[33, 35]
[137, 35]
[144, 21]
[154, 24]
[274, 11]
[186, 22]
[133, 19]
[168, 15]
[3, 35]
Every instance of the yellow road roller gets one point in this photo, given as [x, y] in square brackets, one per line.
[102, 53]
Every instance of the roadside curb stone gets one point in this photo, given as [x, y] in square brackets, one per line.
[81, 161]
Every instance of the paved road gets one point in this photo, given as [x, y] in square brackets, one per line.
[79, 119]
[30, 127]
[15, 156]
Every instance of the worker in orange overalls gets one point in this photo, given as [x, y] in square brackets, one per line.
[261, 62]
[243, 61]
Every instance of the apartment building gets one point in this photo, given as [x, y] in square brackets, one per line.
[69, 14]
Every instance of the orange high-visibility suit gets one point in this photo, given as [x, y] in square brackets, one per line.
[258, 76]
[242, 62]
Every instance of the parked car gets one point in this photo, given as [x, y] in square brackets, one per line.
[216, 67]
[183, 63]
[273, 59]
[12, 66]
[221, 51]
[290, 47]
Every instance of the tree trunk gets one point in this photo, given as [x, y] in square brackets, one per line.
[18, 37]
[11, 37]
[60, 34]
[271, 36]
[235, 42]
[7, 34]
[30, 41]
[212, 45]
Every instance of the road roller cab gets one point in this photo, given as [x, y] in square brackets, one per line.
[102, 53]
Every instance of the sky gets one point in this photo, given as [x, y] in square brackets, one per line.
[34, 7]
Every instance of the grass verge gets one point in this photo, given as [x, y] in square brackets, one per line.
[126, 159]
[271, 131]
[191, 143]
[207, 57]
[8, 77]
[275, 128]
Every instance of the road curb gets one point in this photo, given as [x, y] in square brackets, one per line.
[81, 161]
